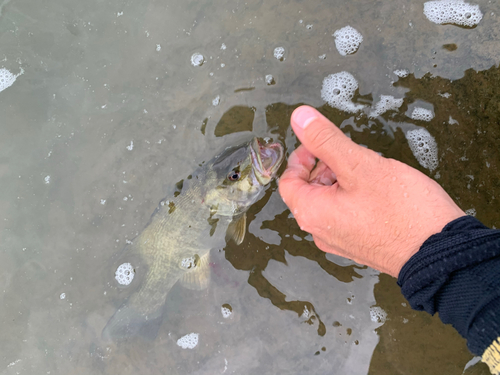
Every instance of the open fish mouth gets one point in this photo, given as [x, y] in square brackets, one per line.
[266, 159]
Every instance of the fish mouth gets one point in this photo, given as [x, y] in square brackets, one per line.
[266, 160]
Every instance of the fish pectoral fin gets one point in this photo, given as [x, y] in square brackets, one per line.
[237, 229]
[197, 277]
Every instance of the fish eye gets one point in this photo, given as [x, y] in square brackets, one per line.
[234, 175]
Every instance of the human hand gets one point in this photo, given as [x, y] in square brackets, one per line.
[356, 203]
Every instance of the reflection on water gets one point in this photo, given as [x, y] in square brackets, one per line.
[109, 112]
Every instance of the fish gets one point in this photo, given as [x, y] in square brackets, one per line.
[207, 210]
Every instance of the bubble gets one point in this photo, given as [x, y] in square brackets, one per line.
[456, 12]
[424, 147]
[402, 73]
[322, 57]
[124, 274]
[386, 103]
[338, 90]
[188, 341]
[47, 179]
[7, 79]
[270, 80]
[62, 296]
[216, 101]
[422, 114]
[279, 53]
[226, 310]
[377, 315]
[347, 40]
[197, 59]
[471, 212]
[188, 263]
[223, 47]
[306, 313]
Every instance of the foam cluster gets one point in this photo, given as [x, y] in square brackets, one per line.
[338, 90]
[424, 147]
[456, 12]
[377, 314]
[402, 73]
[7, 79]
[347, 40]
[471, 212]
[422, 114]
[270, 80]
[279, 53]
[124, 274]
[226, 311]
[386, 103]
[197, 59]
[188, 263]
[189, 341]
[306, 313]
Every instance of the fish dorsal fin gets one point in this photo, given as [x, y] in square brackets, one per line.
[198, 276]
[237, 229]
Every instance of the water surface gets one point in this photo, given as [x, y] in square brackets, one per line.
[109, 113]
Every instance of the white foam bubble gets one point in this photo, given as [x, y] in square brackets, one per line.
[338, 90]
[424, 147]
[377, 314]
[188, 341]
[62, 296]
[471, 212]
[124, 274]
[456, 12]
[306, 313]
[402, 73]
[216, 101]
[422, 114]
[386, 103]
[7, 79]
[197, 59]
[226, 311]
[347, 40]
[270, 80]
[188, 263]
[279, 53]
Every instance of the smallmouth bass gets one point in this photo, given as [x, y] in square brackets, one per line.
[209, 210]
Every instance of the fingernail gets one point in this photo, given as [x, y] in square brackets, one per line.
[304, 115]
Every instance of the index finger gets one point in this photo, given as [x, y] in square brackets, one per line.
[294, 185]
[296, 176]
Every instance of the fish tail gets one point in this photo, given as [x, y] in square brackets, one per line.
[128, 322]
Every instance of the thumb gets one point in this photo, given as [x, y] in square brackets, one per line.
[327, 142]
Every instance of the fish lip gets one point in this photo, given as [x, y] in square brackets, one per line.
[266, 159]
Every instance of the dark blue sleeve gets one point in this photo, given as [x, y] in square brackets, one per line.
[457, 273]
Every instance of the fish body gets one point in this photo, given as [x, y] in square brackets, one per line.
[209, 209]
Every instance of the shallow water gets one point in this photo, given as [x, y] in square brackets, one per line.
[109, 113]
